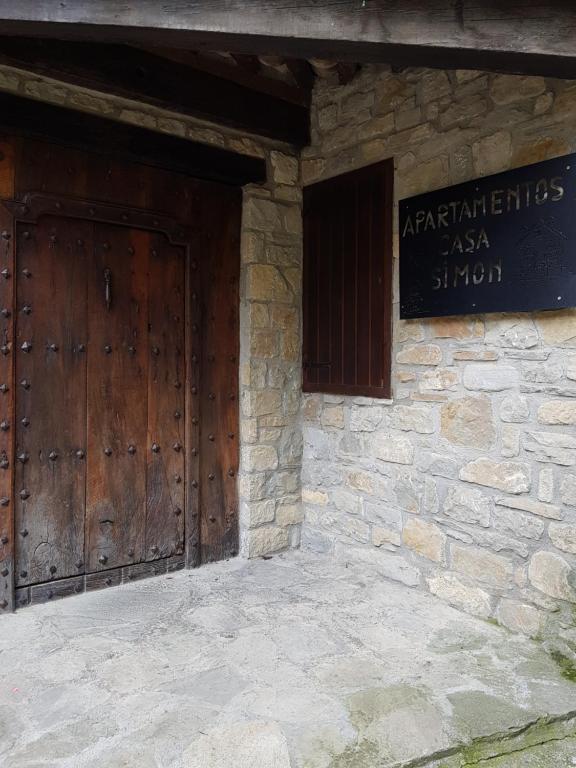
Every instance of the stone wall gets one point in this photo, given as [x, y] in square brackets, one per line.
[465, 483]
[270, 490]
[270, 431]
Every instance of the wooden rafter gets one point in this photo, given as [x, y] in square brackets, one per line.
[524, 36]
[205, 93]
[25, 117]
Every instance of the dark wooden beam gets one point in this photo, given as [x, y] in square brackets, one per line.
[153, 79]
[302, 73]
[25, 117]
[237, 74]
[346, 72]
[248, 62]
[520, 35]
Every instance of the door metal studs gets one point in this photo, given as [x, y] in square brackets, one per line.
[26, 347]
[24, 533]
[103, 559]
[53, 347]
[4, 501]
[52, 455]
[26, 309]
[5, 312]
[4, 426]
[132, 449]
[155, 448]
[4, 463]
[23, 458]
[24, 494]
[5, 274]
[108, 451]
[80, 454]
[26, 272]
[108, 349]
[25, 384]
[177, 447]
[4, 388]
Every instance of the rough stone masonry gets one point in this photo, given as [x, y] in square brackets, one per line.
[465, 482]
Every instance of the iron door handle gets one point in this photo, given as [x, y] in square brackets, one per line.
[108, 287]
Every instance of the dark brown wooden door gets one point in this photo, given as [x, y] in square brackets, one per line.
[50, 426]
[100, 365]
[118, 371]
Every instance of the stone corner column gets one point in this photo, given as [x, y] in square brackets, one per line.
[270, 362]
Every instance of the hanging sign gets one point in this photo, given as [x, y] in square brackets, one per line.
[502, 243]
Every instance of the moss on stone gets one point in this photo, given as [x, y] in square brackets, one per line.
[566, 665]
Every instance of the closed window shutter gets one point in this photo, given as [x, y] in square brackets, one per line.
[348, 283]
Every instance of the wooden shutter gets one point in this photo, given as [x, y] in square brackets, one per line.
[348, 283]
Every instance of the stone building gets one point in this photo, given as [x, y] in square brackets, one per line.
[463, 482]
[215, 346]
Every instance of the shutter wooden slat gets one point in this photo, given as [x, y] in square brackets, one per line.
[347, 301]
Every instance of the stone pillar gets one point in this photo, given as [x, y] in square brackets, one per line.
[270, 359]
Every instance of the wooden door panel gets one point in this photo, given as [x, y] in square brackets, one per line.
[219, 452]
[166, 416]
[7, 291]
[50, 427]
[88, 518]
[117, 398]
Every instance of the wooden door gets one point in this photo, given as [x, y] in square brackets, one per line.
[118, 391]
[50, 424]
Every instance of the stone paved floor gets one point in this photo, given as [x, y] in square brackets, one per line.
[293, 662]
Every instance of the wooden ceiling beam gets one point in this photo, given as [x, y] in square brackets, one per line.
[522, 36]
[27, 117]
[147, 77]
[237, 74]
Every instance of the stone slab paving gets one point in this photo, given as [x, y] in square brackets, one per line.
[293, 662]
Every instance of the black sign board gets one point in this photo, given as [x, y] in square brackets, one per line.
[503, 243]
